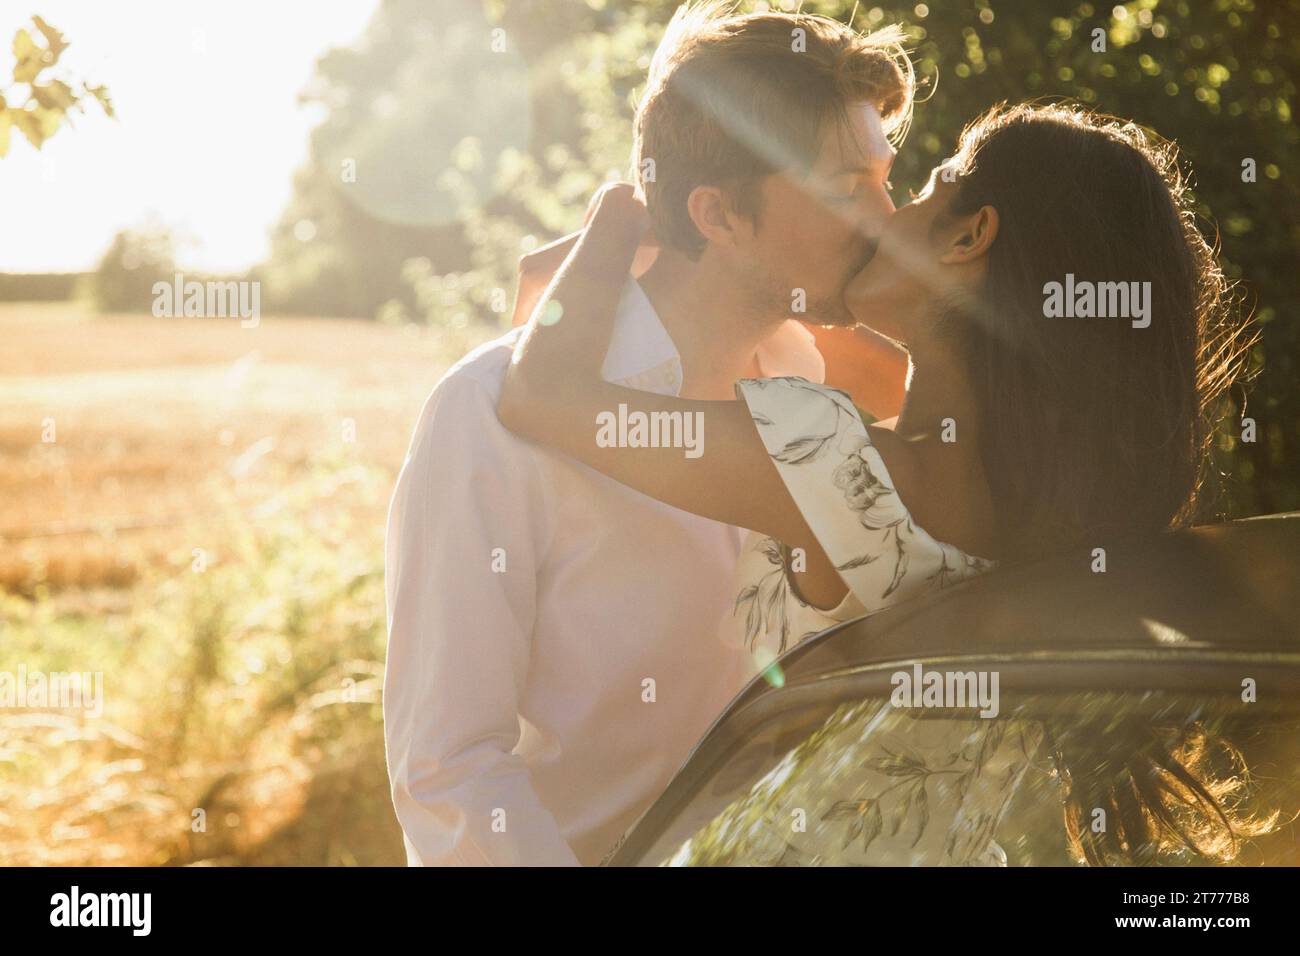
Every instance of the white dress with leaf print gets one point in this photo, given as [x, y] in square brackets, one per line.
[824, 455]
[905, 787]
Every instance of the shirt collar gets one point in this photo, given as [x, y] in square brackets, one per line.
[642, 355]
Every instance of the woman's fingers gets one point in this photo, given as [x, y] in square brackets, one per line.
[619, 202]
[536, 270]
[616, 206]
[547, 258]
[615, 215]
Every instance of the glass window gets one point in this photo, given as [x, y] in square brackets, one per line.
[1052, 779]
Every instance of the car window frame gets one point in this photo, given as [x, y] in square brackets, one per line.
[1198, 671]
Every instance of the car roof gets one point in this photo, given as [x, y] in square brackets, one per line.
[1232, 587]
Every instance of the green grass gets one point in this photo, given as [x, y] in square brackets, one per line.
[242, 711]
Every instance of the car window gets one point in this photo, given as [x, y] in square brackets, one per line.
[876, 784]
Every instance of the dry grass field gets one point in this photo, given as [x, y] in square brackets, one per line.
[195, 511]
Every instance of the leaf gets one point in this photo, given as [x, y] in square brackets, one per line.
[896, 818]
[753, 620]
[53, 39]
[24, 45]
[900, 568]
[49, 120]
[803, 449]
[29, 59]
[872, 826]
[5, 123]
[105, 101]
[844, 809]
[922, 803]
[854, 829]
[30, 126]
[745, 595]
[776, 600]
[771, 550]
[894, 766]
[54, 95]
[857, 562]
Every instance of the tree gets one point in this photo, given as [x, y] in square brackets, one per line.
[123, 279]
[479, 127]
[456, 130]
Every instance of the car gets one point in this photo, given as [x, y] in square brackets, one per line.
[1190, 637]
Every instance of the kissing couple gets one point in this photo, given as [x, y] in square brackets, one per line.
[882, 406]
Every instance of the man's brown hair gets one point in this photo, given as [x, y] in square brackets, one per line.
[735, 97]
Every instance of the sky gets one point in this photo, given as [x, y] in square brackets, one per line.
[208, 134]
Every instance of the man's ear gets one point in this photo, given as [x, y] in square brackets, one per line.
[713, 215]
[974, 237]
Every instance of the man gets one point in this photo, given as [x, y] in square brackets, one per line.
[553, 650]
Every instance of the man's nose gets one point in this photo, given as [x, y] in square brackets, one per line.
[874, 216]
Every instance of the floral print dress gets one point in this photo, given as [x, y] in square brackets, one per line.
[906, 788]
[824, 455]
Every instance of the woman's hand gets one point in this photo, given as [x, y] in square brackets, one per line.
[554, 395]
[563, 347]
[538, 268]
[616, 221]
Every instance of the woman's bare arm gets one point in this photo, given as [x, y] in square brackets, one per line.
[554, 395]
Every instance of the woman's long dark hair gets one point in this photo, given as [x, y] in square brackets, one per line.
[1165, 789]
[1090, 427]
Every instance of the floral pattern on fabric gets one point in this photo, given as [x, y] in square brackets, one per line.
[876, 785]
[822, 450]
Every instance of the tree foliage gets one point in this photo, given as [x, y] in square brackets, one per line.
[124, 277]
[478, 128]
[37, 103]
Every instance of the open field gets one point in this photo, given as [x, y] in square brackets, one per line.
[195, 511]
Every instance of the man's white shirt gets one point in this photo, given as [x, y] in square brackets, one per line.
[554, 646]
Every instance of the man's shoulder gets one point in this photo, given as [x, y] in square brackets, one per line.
[482, 369]
[462, 408]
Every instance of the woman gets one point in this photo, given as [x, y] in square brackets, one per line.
[1021, 432]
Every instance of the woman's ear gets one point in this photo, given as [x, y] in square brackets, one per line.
[712, 215]
[974, 237]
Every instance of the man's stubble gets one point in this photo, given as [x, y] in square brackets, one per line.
[770, 300]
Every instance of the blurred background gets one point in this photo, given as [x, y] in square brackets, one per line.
[194, 507]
